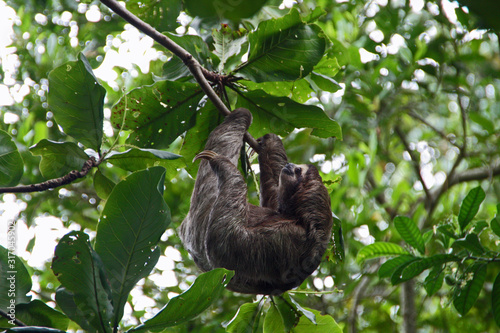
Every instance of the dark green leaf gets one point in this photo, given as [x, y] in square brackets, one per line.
[281, 115]
[37, 313]
[495, 223]
[131, 224]
[389, 267]
[11, 162]
[338, 239]
[495, 300]
[223, 8]
[77, 100]
[470, 206]
[487, 10]
[159, 113]
[102, 185]
[468, 295]
[59, 158]
[12, 271]
[418, 266]
[203, 292]
[78, 268]
[379, 249]
[135, 159]
[246, 319]
[471, 243]
[159, 14]
[284, 48]
[410, 232]
[448, 230]
[66, 301]
[288, 312]
[434, 281]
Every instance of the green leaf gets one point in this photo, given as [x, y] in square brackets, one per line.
[246, 319]
[159, 113]
[223, 8]
[418, 266]
[131, 224]
[379, 249]
[37, 313]
[495, 223]
[206, 289]
[410, 232]
[80, 271]
[102, 185]
[308, 313]
[470, 206]
[299, 91]
[280, 115]
[495, 300]
[229, 46]
[283, 49]
[324, 324]
[11, 162]
[468, 295]
[338, 239]
[135, 159]
[77, 99]
[59, 158]
[288, 312]
[389, 267]
[434, 281]
[324, 83]
[471, 243]
[66, 301]
[159, 14]
[12, 270]
[273, 321]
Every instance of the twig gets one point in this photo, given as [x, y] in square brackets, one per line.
[53, 183]
[199, 73]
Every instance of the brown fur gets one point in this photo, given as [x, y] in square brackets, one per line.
[271, 248]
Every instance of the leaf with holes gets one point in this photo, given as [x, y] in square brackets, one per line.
[470, 206]
[409, 232]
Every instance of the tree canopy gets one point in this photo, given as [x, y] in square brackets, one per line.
[104, 104]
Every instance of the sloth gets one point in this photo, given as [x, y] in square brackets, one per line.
[271, 248]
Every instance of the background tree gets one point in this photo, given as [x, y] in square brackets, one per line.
[412, 84]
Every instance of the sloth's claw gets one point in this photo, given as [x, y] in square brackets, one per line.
[206, 155]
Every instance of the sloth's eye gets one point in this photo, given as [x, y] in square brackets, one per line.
[298, 171]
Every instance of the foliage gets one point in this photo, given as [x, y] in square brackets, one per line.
[397, 103]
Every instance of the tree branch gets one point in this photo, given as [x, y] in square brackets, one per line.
[53, 183]
[199, 73]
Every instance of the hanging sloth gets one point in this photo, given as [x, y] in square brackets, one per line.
[271, 248]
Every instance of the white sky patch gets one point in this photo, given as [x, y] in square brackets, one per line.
[367, 56]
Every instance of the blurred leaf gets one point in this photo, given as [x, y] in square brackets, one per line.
[495, 300]
[495, 222]
[159, 113]
[410, 233]
[79, 269]
[11, 162]
[418, 266]
[471, 243]
[379, 249]
[13, 271]
[77, 99]
[131, 224]
[102, 185]
[223, 8]
[284, 48]
[206, 289]
[389, 267]
[59, 158]
[434, 281]
[470, 206]
[468, 295]
[37, 313]
[487, 10]
[280, 115]
[159, 14]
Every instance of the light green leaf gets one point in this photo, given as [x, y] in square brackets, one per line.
[299, 91]
[470, 206]
[246, 319]
[131, 224]
[468, 295]
[409, 232]
[11, 162]
[203, 292]
[273, 321]
[59, 158]
[102, 185]
[379, 249]
[324, 324]
[77, 99]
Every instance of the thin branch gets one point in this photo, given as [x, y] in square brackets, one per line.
[199, 73]
[53, 183]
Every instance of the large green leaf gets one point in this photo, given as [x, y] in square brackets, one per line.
[288, 312]
[12, 271]
[468, 294]
[131, 224]
[203, 292]
[418, 266]
[324, 324]
[389, 267]
[135, 159]
[80, 271]
[37, 313]
[281, 115]
[77, 100]
[283, 49]
[66, 301]
[273, 322]
[470, 206]
[230, 9]
[159, 113]
[409, 232]
[379, 249]
[59, 158]
[495, 300]
[246, 319]
[159, 14]
[11, 162]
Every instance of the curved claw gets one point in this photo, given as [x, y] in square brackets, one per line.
[206, 155]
